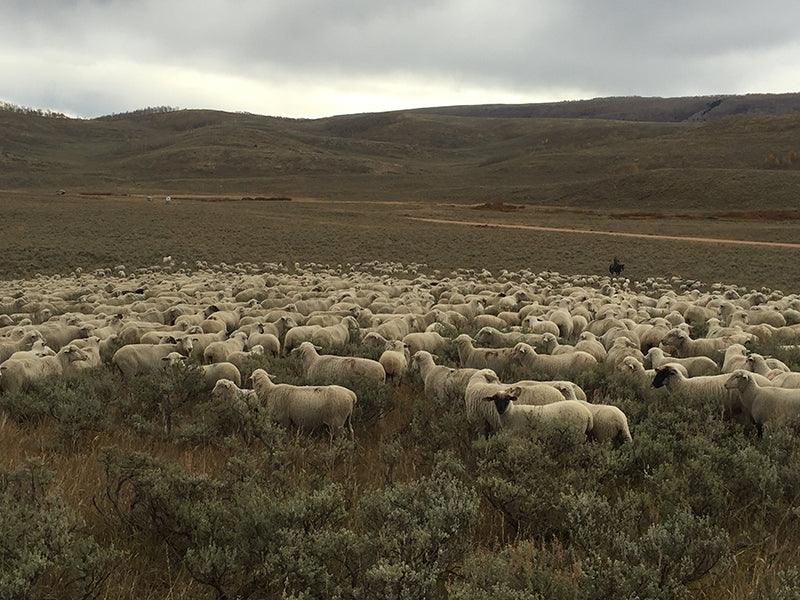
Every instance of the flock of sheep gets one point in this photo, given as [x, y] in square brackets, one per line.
[535, 335]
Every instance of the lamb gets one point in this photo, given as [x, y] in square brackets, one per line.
[306, 407]
[534, 393]
[211, 374]
[765, 406]
[18, 374]
[339, 370]
[496, 359]
[696, 366]
[566, 416]
[561, 365]
[697, 389]
[219, 351]
[429, 341]
[139, 358]
[395, 360]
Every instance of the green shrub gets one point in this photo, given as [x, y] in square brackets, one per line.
[44, 552]
[421, 531]
[516, 572]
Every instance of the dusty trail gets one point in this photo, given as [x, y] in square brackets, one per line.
[647, 236]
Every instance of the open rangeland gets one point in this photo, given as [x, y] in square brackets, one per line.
[380, 356]
[134, 467]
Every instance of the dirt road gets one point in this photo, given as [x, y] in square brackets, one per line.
[650, 236]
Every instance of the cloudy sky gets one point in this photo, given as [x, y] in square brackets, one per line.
[322, 57]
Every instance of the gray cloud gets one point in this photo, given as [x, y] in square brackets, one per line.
[95, 56]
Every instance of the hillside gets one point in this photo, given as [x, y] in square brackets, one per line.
[474, 154]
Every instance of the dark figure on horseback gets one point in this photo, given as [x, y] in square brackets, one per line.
[616, 267]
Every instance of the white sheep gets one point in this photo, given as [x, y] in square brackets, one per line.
[139, 358]
[211, 374]
[561, 365]
[765, 406]
[244, 403]
[18, 374]
[496, 359]
[521, 419]
[306, 407]
[735, 358]
[483, 385]
[698, 389]
[588, 342]
[338, 370]
[429, 341]
[696, 366]
[609, 423]
[395, 360]
[219, 351]
[336, 337]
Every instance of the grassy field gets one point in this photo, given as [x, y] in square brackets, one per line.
[52, 234]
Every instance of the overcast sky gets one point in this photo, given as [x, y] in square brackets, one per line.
[323, 57]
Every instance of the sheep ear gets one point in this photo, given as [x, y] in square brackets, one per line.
[318, 348]
[165, 358]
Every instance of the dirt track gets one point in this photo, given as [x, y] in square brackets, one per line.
[651, 236]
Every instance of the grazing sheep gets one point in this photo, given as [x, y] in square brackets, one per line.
[735, 358]
[622, 347]
[270, 344]
[765, 406]
[489, 337]
[568, 366]
[521, 419]
[18, 374]
[696, 366]
[336, 337]
[395, 360]
[787, 380]
[219, 351]
[306, 407]
[609, 423]
[496, 359]
[211, 374]
[713, 348]
[698, 389]
[244, 403]
[483, 385]
[441, 383]
[139, 358]
[239, 358]
[587, 342]
[429, 341]
[24, 344]
[338, 370]
[556, 384]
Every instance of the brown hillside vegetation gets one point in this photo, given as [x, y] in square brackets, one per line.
[418, 155]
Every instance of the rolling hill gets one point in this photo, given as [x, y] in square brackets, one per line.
[687, 153]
